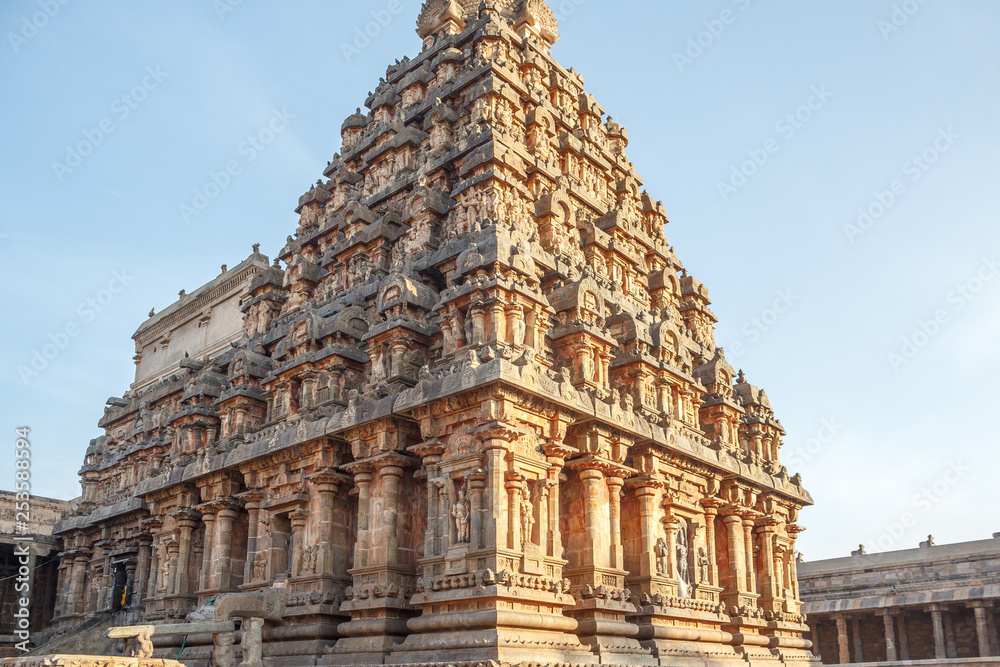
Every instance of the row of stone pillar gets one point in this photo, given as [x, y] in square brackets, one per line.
[897, 644]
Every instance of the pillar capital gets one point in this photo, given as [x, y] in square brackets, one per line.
[186, 518]
[430, 451]
[251, 499]
[558, 451]
[328, 480]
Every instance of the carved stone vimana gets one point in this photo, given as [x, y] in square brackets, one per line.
[478, 416]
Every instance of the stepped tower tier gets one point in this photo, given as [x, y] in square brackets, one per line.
[476, 412]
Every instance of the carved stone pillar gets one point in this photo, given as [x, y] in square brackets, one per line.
[614, 496]
[556, 453]
[771, 578]
[142, 576]
[186, 521]
[130, 582]
[711, 511]
[748, 522]
[890, 637]
[672, 527]
[477, 484]
[991, 625]
[592, 500]
[903, 638]
[843, 645]
[737, 564]
[327, 485]
[65, 567]
[102, 602]
[982, 629]
[207, 518]
[382, 581]
[859, 649]
[154, 570]
[949, 635]
[647, 493]
[362, 480]
[937, 620]
[513, 486]
[172, 569]
[298, 519]
[251, 503]
[80, 562]
[223, 547]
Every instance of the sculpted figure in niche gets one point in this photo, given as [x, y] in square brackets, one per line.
[586, 367]
[682, 562]
[703, 565]
[462, 512]
[527, 514]
[662, 557]
[520, 328]
[260, 566]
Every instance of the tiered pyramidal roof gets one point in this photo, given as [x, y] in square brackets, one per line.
[480, 414]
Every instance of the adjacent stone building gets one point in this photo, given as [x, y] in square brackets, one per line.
[475, 411]
[933, 603]
[42, 563]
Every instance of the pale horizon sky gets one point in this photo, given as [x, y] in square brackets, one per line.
[830, 171]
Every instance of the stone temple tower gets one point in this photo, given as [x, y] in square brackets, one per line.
[475, 414]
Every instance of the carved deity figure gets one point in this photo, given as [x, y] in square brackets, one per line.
[527, 514]
[462, 512]
[662, 557]
[682, 563]
[703, 565]
[143, 645]
[520, 328]
[260, 566]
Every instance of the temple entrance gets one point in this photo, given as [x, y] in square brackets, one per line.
[281, 546]
[119, 585]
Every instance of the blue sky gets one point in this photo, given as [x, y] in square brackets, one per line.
[766, 129]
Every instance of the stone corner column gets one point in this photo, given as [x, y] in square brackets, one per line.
[937, 620]
[327, 484]
[252, 501]
[843, 645]
[890, 636]
[982, 628]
